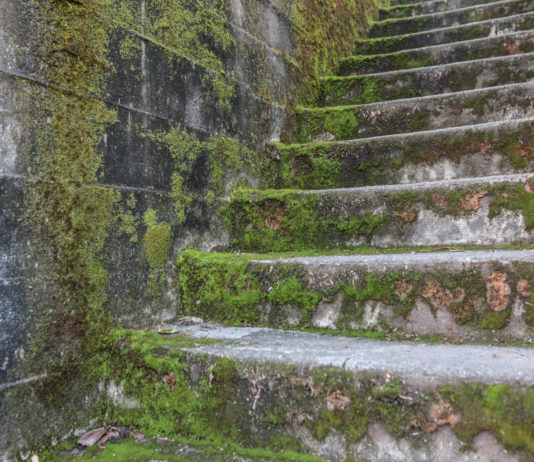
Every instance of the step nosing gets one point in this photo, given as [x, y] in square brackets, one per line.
[400, 259]
[428, 364]
[417, 99]
[445, 12]
[459, 128]
[414, 70]
[426, 185]
[446, 45]
[459, 26]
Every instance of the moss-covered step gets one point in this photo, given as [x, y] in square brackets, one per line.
[141, 448]
[480, 29]
[333, 398]
[445, 4]
[460, 152]
[494, 210]
[449, 18]
[506, 44]
[503, 102]
[413, 8]
[465, 295]
[444, 78]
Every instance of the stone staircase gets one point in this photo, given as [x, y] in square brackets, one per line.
[404, 209]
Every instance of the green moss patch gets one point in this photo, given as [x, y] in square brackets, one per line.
[325, 165]
[239, 289]
[280, 220]
[190, 397]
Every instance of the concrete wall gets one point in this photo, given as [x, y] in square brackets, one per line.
[152, 88]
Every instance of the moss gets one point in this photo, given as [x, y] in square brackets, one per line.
[131, 450]
[197, 31]
[398, 11]
[478, 104]
[226, 157]
[419, 121]
[315, 51]
[496, 320]
[341, 122]
[127, 222]
[290, 292]
[516, 197]
[209, 284]
[67, 214]
[278, 220]
[505, 411]
[219, 288]
[157, 240]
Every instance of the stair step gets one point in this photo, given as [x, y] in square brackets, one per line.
[466, 295]
[424, 81]
[330, 397]
[470, 151]
[493, 210]
[503, 102]
[506, 44]
[480, 29]
[416, 9]
[436, 363]
[448, 4]
[450, 18]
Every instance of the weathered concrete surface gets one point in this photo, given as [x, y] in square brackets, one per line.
[464, 211]
[432, 155]
[420, 363]
[13, 306]
[426, 7]
[506, 44]
[151, 89]
[416, 258]
[431, 80]
[449, 18]
[466, 295]
[456, 33]
[503, 102]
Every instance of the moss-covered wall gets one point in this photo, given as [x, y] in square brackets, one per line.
[127, 123]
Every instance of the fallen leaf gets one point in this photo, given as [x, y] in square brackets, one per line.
[337, 401]
[137, 435]
[92, 437]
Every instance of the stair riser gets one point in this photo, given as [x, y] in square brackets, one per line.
[424, 82]
[427, 157]
[456, 300]
[412, 115]
[474, 214]
[227, 391]
[495, 46]
[411, 25]
[439, 36]
[405, 11]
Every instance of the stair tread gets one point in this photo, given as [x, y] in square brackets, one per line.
[457, 182]
[445, 12]
[433, 363]
[460, 128]
[430, 68]
[440, 47]
[416, 99]
[415, 114]
[487, 22]
[454, 17]
[395, 259]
